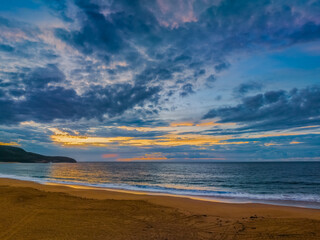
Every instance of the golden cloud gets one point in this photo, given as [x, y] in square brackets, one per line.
[180, 127]
[182, 124]
[9, 144]
[66, 139]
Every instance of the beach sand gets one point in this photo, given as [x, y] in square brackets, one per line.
[34, 211]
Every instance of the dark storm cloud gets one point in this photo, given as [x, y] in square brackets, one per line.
[41, 77]
[186, 90]
[175, 51]
[51, 103]
[6, 48]
[60, 8]
[221, 66]
[308, 32]
[215, 31]
[103, 36]
[274, 109]
[21, 42]
[44, 102]
[218, 30]
[245, 88]
[116, 132]
[13, 26]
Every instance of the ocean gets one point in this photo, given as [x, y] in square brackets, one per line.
[279, 183]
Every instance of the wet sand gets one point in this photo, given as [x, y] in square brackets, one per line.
[33, 211]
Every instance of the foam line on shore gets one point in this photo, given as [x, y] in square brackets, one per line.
[218, 196]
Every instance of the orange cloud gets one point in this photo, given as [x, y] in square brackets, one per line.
[110, 155]
[182, 124]
[57, 131]
[146, 157]
[295, 142]
[9, 144]
[80, 141]
[178, 127]
[179, 140]
[66, 139]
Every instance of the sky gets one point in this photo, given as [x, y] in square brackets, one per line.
[161, 80]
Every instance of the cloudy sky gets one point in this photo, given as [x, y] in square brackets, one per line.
[161, 80]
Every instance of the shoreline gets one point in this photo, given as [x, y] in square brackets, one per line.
[222, 199]
[99, 193]
[228, 200]
[31, 210]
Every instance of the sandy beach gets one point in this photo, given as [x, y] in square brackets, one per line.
[34, 211]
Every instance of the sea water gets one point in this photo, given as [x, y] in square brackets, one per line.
[281, 183]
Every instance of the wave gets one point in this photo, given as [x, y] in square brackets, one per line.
[206, 194]
[284, 183]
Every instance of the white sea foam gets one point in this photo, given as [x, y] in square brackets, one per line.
[303, 200]
[276, 183]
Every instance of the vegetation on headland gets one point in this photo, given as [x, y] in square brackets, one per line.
[15, 154]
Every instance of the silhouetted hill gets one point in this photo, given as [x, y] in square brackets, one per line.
[15, 154]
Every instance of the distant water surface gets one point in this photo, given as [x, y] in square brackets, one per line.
[289, 183]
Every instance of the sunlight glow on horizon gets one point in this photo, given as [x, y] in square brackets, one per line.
[9, 144]
[165, 140]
